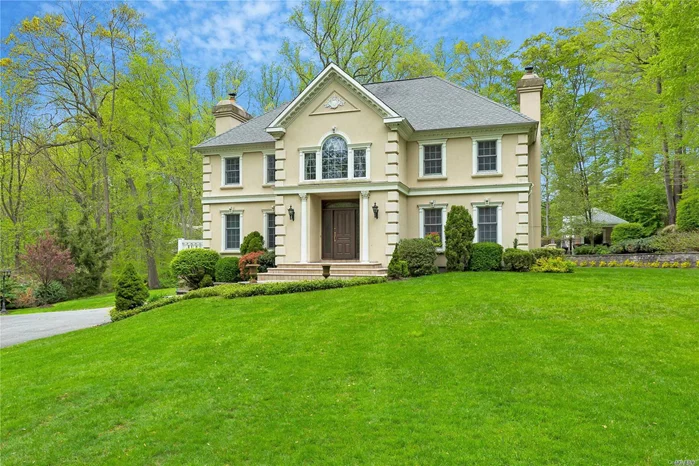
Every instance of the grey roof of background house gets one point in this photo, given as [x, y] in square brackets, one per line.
[434, 103]
[427, 103]
[605, 218]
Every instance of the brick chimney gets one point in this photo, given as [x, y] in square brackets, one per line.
[529, 90]
[229, 114]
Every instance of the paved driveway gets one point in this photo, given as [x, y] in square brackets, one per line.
[25, 327]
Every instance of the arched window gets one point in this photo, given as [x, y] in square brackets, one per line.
[334, 159]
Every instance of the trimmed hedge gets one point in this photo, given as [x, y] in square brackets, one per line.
[540, 253]
[485, 256]
[553, 265]
[626, 231]
[244, 291]
[419, 253]
[632, 246]
[586, 250]
[227, 270]
[192, 264]
[517, 260]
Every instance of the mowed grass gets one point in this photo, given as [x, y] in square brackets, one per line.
[597, 367]
[92, 302]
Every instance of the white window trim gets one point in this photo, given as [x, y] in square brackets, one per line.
[266, 225]
[223, 171]
[319, 162]
[475, 206]
[498, 153]
[265, 181]
[421, 158]
[223, 229]
[421, 232]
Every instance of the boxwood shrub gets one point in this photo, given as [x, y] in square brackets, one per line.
[419, 253]
[517, 260]
[227, 270]
[485, 256]
[553, 265]
[540, 253]
[192, 264]
[626, 231]
[397, 268]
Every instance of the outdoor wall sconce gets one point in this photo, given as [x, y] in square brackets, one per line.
[291, 213]
[375, 208]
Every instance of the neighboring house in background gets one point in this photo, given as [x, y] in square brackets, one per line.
[602, 219]
[345, 170]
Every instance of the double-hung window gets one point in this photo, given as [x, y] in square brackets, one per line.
[486, 156]
[433, 159]
[270, 169]
[359, 163]
[309, 165]
[232, 231]
[487, 224]
[432, 218]
[269, 226]
[231, 171]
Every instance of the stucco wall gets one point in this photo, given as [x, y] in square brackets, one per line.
[253, 220]
[252, 174]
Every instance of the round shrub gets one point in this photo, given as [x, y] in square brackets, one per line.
[459, 232]
[583, 250]
[252, 242]
[192, 264]
[625, 231]
[688, 212]
[485, 256]
[51, 293]
[206, 282]
[397, 268]
[540, 253]
[131, 291]
[554, 265]
[600, 250]
[267, 261]
[419, 253]
[227, 270]
[517, 260]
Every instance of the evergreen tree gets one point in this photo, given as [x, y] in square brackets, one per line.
[459, 231]
[131, 291]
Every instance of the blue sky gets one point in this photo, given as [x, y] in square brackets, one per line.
[251, 32]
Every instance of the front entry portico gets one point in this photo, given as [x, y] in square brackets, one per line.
[340, 235]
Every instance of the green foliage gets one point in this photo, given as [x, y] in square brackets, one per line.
[625, 231]
[249, 258]
[517, 260]
[485, 256]
[688, 212]
[641, 202]
[586, 249]
[131, 291]
[677, 242]
[267, 261]
[252, 242]
[553, 265]
[227, 270]
[206, 281]
[632, 246]
[397, 268]
[51, 292]
[192, 264]
[539, 253]
[419, 253]
[459, 231]
[435, 239]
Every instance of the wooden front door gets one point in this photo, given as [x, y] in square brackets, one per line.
[340, 231]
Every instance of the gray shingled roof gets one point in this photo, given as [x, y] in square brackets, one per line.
[600, 216]
[250, 132]
[433, 103]
[427, 103]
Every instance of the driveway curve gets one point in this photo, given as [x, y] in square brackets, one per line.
[26, 327]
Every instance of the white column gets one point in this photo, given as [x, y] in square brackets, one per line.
[304, 227]
[365, 226]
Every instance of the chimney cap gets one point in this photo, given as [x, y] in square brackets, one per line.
[529, 69]
[232, 95]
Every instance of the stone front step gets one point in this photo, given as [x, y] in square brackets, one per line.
[314, 271]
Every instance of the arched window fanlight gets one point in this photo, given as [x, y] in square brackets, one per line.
[335, 161]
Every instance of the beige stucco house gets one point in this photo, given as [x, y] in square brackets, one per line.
[345, 170]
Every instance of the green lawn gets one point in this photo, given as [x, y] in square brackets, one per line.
[597, 367]
[93, 302]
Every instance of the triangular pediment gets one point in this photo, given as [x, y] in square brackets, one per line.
[334, 103]
[351, 87]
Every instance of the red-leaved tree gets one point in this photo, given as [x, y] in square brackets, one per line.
[48, 260]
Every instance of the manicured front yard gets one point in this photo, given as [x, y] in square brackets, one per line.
[596, 367]
[92, 302]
